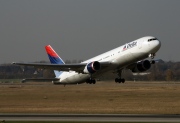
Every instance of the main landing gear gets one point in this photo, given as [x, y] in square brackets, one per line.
[91, 81]
[120, 80]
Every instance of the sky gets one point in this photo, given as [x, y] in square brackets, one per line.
[81, 29]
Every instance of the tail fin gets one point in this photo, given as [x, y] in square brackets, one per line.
[54, 59]
[53, 56]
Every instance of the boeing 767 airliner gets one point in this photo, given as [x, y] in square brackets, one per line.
[128, 56]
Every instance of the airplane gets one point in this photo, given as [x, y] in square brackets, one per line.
[131, 56]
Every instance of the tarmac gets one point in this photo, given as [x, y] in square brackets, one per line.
[92, 117]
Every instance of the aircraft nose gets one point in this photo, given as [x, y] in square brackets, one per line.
[156, 44]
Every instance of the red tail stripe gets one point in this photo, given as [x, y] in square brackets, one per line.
[50, 51]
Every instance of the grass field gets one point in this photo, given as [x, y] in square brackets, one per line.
[101, 98]
[10, 80]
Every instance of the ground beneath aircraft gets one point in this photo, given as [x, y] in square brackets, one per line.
[103, 97]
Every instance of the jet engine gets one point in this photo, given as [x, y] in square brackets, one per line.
[142, 66]
[92, 67]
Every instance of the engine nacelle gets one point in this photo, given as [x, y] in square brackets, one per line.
[92, 67]
[142, 66]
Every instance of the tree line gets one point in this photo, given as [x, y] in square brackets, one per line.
[161, 71]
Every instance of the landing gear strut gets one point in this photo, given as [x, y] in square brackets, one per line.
[120, 80]
[152, 55]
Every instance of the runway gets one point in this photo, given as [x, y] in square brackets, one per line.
[90, 117]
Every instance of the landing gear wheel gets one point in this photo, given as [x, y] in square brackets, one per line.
[152, 55]
[91, 81]
[116, 80]
[119, 80]
[94, 81]
[123, 80]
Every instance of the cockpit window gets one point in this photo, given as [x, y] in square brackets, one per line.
[152, 39]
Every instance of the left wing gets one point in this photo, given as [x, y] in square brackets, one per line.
[62, 67]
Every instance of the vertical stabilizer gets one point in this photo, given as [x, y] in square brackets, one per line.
[54, 59]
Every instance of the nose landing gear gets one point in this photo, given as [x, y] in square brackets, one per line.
[152, 55]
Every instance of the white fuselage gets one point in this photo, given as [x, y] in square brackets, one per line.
[118, 58]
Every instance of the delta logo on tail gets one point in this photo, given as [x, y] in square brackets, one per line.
[53, 56]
